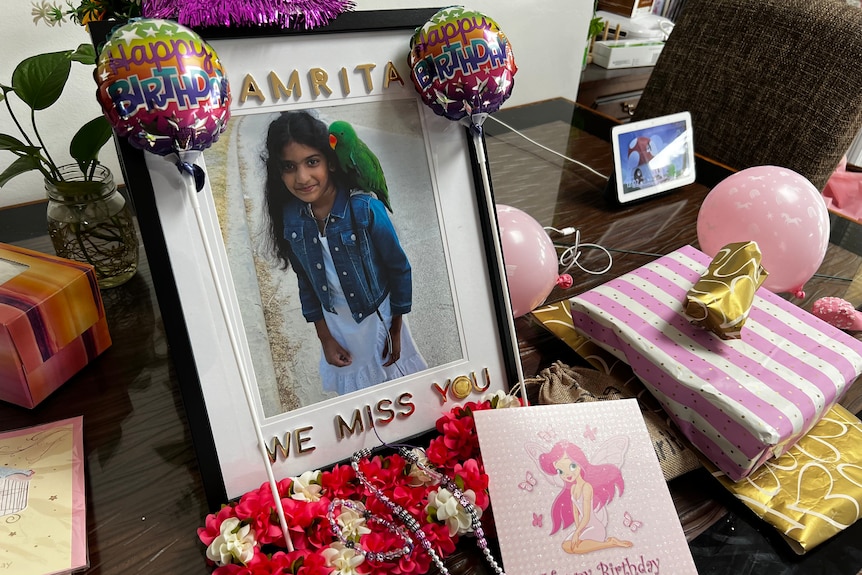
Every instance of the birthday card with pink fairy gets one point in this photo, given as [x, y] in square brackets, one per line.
[577, 489]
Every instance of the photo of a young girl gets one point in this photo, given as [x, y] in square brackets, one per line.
[355, 281]
[276, 297]
[586, 490]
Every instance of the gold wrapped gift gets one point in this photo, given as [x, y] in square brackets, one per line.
[813, 491]
[722, 297]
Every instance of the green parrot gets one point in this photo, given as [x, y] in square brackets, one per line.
[358, 160]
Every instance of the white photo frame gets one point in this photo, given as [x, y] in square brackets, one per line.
[354, 69]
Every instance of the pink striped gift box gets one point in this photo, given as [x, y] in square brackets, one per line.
[741, 401]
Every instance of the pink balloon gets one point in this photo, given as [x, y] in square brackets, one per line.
[779, 209]
[531, 260]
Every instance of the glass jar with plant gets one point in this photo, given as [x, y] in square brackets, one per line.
[88, 219]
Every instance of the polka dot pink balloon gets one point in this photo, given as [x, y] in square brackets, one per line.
[777, 208]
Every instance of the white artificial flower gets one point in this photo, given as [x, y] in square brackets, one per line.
[352, 523]
[417, 476]
[448, 510]
[306, 487]
[344, 559]
[505, 400]
[47, 12]
[235, 543]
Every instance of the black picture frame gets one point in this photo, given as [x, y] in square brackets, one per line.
[170, 277]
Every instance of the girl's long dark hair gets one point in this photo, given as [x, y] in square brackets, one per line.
[302, 128]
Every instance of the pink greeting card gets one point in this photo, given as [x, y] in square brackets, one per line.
[42, 508]
[577, 489]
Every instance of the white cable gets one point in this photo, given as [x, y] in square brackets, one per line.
[571, 254]
[547, 148]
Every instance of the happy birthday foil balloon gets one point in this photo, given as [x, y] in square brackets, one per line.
[163, 87]
[462, 65]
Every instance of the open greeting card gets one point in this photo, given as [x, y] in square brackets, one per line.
[576, 489]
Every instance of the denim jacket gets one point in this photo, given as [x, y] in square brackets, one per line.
[368, 257]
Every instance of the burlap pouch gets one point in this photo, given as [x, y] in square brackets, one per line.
[563, 384]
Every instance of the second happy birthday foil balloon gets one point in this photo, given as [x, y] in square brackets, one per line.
[462, 65]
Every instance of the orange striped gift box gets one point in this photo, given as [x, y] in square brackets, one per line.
[740, 401]
[52, 323]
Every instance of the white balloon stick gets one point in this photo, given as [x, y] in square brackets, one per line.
[241, 364]
[498, 251]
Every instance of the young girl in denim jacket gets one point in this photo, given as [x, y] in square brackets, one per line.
[354, 278]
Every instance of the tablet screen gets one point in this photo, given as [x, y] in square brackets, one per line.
[653, 156]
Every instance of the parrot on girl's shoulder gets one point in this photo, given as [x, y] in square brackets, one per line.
[357, 160]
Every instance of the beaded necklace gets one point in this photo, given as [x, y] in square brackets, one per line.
[369, 518]
[407, 519]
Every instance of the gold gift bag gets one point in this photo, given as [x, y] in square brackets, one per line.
[814, 490]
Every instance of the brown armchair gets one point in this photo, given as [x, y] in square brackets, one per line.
[766, 81]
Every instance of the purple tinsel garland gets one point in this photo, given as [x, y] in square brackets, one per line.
[228, 13]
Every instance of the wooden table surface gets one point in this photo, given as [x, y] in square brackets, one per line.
[145, 496]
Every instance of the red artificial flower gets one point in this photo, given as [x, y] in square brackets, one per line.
[258, 508]
[301, 517]
[410, 498]
[311, 564]
[340, 482]
[459, 436]
[315, 521]
[437, 452]
[438, 535]
[392, 469]
[417, 562]
[474, 478]
[259, 565]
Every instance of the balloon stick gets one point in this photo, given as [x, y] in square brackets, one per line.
[498, 251]
[243, 373]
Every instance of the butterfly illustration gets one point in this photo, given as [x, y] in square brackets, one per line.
[528, 483]
[537, 520]
[590, 433]
[631, 522]
[548, 436]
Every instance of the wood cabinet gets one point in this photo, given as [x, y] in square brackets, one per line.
[614, 93]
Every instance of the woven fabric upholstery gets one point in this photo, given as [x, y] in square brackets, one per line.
[767, 82]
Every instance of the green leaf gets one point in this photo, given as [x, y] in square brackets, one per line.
[39, 80]
[19, 166]
[13, 144]
[87, 142]
[85, 54]
[596, 27]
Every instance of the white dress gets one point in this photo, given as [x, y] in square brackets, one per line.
[365, 341]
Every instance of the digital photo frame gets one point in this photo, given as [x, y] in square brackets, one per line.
[651, 157]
